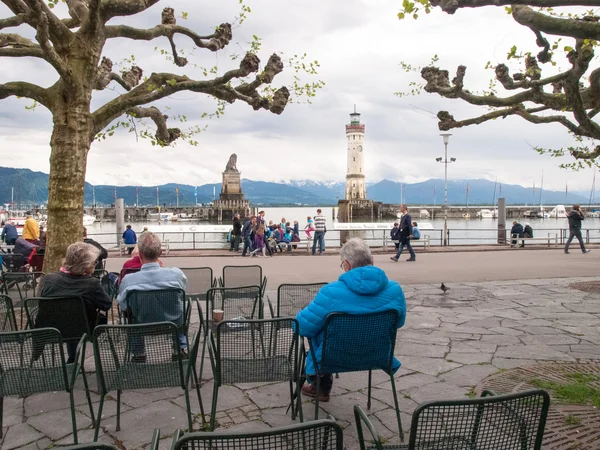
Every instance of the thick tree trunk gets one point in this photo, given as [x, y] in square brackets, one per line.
[70, 144]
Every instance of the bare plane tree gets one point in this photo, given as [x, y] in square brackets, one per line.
[569, 97]
[73, 46]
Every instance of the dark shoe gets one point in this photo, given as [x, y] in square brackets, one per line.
[138, 359]
[586, 251]
[411, 259]
[566, 252]
[311, 391]
[393, 258]
[522, 245]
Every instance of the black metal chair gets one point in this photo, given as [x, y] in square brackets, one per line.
[199, 281]
[357, 343]
[8, 321]
[142, 356]
[323, 434]
[253, 351]
[238, 276]
[491, 422]
[13, 262]
[292, 298]
[33, 361]
[236, 302]
[161, 305]
[25, 283]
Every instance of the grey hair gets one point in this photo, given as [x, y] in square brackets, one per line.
[80, 258]
[149, 246]
[357, 253]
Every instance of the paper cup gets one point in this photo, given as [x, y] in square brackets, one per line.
[217, 315]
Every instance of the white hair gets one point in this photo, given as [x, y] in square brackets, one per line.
[149, 246]
[357, 253]
[80, 258]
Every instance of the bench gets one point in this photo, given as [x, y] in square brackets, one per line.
[124, 248]
[424, 242]
[552, 237]
[283, 246]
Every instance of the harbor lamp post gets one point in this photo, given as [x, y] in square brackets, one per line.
[445, 161]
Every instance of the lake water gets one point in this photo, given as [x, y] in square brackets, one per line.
[201, 235]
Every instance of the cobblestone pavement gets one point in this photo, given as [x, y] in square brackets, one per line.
[449, 344]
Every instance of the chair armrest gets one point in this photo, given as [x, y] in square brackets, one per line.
[79, 360]
[263, 286]
[178, 435]
[200, 315]
[212, 353]
[271, 307]
[361, 419]
[221, 282]
[155, 440]
[193, 355]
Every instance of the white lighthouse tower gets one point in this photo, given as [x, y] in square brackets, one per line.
[355, 176]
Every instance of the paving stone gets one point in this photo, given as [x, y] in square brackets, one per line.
[271, 396]
[13, 412]
[468, 375]
[50, 401]
[137, 425]
[469, 358]
[277, 417]
[504, 339]
[57, 424]
[141, 397]
[507, 331]
[408, 381]
[405, 401]
[20, 435]
[537, 351]
[443, 390]
[431, 366]
[549, 339]
[342, 407]
[255, 425]
[426, 350]
[354, 381]
[592, 350]
[473, 346]
[507, 363]
[84, 436]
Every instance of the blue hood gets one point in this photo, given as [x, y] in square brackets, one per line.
[368, 280]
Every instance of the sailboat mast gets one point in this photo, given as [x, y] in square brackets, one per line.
[494, 198]
[593, 191]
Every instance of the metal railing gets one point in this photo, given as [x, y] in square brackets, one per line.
[374, 237]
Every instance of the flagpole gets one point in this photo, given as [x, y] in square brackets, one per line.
[137, 201]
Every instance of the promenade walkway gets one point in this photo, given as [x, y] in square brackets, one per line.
[504, 310]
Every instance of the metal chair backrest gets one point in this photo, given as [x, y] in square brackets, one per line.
[357, 342]
[236, 303]
[32, 361]
[66, 314]
[13, 262]
[324, 434]
[161, 305]
[253, 351]
[8, 321]
[237, 276]
[199, 281]
[127, 272]
[498, 422]
[292, 298]
[141, 356]
[25, 282]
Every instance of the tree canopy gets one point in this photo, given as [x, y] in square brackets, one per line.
[539, 91]
[72, 44]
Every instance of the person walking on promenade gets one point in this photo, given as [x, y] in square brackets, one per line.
[246, 232]
[130, 238]
[31, 230]
[575, 217]
[236, 234]
[320, 230]
[9, 233]
[404, 235]
[259, 242]
[362, 288]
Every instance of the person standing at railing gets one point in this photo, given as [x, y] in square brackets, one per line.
[236, 234]
[320, 230]
[575, 217]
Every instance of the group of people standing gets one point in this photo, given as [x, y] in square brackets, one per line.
[262, 239]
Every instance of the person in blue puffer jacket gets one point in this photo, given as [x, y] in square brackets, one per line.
[362, 288]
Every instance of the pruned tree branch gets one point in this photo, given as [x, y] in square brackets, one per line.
[451, 6]
[161, 85]
[576, 28]
[115, 8]
[24, 89]
[13, 21]
[164, 135]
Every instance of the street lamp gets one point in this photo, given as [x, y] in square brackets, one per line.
[445, 162]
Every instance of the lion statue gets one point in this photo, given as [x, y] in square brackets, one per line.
[230, 167]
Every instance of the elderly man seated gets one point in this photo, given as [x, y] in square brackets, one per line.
[362, 288]
[154, 277]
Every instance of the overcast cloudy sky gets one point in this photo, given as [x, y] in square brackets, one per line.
[359, 44]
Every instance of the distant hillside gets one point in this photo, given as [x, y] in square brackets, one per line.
[32, 188]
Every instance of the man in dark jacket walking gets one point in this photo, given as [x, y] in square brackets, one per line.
[246, 232]
[404, 235]
[236, 234]
[575, 217]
